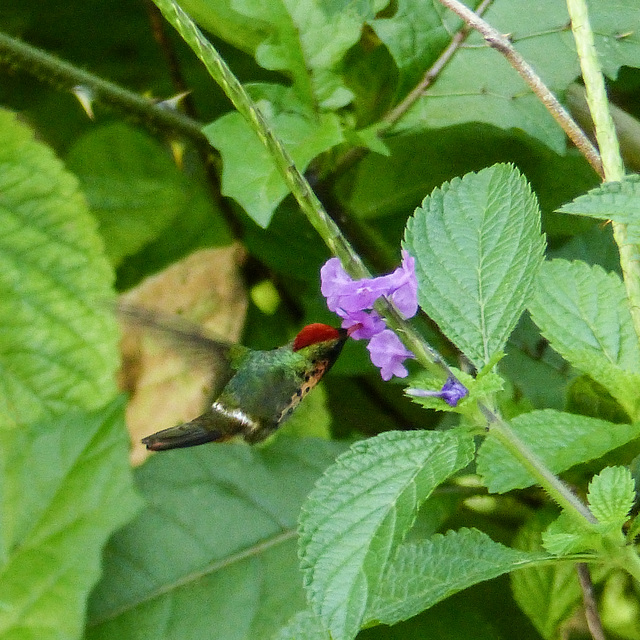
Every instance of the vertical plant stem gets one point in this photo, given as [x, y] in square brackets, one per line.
[608, 143]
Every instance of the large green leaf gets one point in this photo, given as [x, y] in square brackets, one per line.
[213, 554]
[58, 339]
[66, 486]
[583, 312]
[478, 246]
[361, 509]
[560, 440]
[250, 176]
[479, 85]
[425, 573]
[132, 184]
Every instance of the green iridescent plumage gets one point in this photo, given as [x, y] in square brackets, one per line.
[265, 388]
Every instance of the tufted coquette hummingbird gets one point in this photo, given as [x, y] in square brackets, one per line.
[265, 388]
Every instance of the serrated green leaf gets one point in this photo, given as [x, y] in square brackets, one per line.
[132, 185]
[425, 573]
[611, 496]
[478, 84]
[250, 176]
[547, 593]
[583, 312]
[617, 201]
[66, 486]
[213, 554]
[361, 509]
[478, 246]
[58, 344]
[559, 439]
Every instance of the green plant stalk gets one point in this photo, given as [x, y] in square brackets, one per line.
[557, 489]
[339, 245]
[608, 143]
[65, 76]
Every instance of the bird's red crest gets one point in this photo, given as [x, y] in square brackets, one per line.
[314, 333]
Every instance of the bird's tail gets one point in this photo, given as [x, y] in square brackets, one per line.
[198, 431]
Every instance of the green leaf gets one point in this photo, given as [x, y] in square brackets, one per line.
[563, 536]
[250, 176]
[66, 486]
[361, 509]
[304, 625]
[560, 440]
[425, 573]
[583, 312]
[617, 201]
[478, 246]
[547, 593]
[611, 496]
[58, 344]
[415, 35]
[479, 85]
[213, 554]
[132, 184]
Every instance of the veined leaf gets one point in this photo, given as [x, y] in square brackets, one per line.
[479, 84]
[617, 201]
[360, 511]
[66, 486]
[584, 313]
[425, 573]
[132, 184]
[478, 246]
[250, 176]
[560, 440]
[213, 554]
[611, 496]
[58, 344]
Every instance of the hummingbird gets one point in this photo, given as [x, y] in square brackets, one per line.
[263, 391]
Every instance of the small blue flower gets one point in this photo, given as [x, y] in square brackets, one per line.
[452, 392]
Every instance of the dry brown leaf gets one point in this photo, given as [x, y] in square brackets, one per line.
[167, 387]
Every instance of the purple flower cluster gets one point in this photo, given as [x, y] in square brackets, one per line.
[353, 301]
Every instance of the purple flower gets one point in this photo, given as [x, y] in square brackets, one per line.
[353, 301]
[345, 296]
[452, 392]
[388, 353]
[370, 323]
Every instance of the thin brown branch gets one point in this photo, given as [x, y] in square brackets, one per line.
[589, 601]
[502, 44]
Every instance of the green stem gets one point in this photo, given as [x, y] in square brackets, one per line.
[339, 245]
[557, 489]
[608, 143]
[65, 76]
